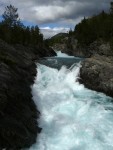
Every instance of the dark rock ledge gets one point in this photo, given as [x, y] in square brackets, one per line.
[96, 73]
[18, 113]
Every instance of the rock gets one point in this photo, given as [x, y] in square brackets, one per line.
[18, 113]
[70, 46]
[100, 47]
[97, 74]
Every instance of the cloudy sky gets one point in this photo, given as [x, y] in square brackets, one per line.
[54, 16]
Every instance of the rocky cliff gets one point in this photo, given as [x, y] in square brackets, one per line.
[97, 74]
[97, 69]
[71, 46]
[18, 113]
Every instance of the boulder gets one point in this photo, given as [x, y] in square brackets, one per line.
[96, 73]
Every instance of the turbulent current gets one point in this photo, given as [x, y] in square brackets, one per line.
[72, 116]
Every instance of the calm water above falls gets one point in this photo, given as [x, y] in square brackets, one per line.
[72, 117]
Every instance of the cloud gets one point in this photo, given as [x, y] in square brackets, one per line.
[46, 11]
[65, 13]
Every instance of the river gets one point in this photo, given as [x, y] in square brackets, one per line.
[72, 116]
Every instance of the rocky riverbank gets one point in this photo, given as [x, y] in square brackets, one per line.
[97, 69]
[18, 113]
[97, 74]
[70, 46]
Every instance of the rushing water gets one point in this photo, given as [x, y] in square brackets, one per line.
[72, 116]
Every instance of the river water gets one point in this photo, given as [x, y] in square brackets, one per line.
[72, 116]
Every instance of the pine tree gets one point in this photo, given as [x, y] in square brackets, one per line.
[10, 16]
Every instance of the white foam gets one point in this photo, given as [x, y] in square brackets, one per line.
[72, 117]
[60, 54]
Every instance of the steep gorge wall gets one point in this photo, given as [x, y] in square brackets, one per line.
[96, 73]
[18, 113]
[97, 68]
[71, 46]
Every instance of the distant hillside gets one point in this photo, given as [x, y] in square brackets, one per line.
[56, 39]
[59, 35]
[92, 35]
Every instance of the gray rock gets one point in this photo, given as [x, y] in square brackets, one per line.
[71, 46]
[97, 73]
[18, 113]
[100, 47]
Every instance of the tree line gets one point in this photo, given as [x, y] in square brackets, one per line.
[97, 27]
[14, 32]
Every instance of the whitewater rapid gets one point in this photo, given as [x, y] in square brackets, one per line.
[72, 116]
[60, 54]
